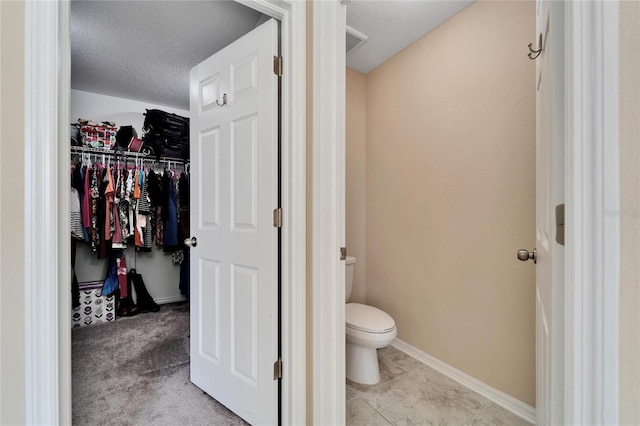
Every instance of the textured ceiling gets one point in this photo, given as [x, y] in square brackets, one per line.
[144, 50]
[392, 25]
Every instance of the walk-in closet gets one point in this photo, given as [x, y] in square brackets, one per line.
[130, 172]
[130, 209]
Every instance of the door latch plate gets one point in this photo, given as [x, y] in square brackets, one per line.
[343, 253]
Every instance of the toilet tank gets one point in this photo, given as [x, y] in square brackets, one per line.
[350, 264]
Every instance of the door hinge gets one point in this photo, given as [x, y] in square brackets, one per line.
[560, 224]
[277, 65]
[343, 253]
[277, 218]
[277, 369]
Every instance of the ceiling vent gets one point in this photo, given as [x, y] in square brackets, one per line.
[354, 39]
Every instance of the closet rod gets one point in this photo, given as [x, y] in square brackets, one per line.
[127, 154]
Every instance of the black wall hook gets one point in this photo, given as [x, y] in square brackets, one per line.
[533, 54]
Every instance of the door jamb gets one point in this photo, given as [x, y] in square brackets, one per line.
[328, 223]
[47, 249]
[593, 213]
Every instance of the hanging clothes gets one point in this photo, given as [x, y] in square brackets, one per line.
[94, 201]
[104, 246]
[177, 256]
[144, 210]
[75, 286]
[136, 196]
[75, 217]
[86, 200]
[171, 216]
[156, 192]
[108, 209]
[123, 205]
[118, 241]
[110, 284]
[121, 265]
[185, 278]
[185, 200]
[82, 194]
[131, 202]
[144, 206]
[112, 206]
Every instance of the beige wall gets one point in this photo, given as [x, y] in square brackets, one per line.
[12, 352]
[450, 194]
[356, 97]
[630, 213]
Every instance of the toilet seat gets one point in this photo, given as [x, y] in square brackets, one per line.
[368, 319]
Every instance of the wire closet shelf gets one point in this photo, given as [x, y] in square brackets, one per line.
[127, 155]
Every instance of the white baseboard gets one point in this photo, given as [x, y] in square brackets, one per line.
[170, 299]
[507, 402]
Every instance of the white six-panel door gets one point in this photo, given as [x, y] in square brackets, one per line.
[234, 184]
[550, 135]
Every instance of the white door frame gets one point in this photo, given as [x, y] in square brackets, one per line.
[328, 227]
[47, 245]
[592, 213]
[592, 207]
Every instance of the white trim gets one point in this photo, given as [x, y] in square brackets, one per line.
[64, 244]
[293, 42]
[329, 70]
[611, 250]
[592, 220]
[45, 205]
[293, 36]
[504, 400]
[47, 253]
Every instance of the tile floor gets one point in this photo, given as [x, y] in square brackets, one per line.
[410, 393]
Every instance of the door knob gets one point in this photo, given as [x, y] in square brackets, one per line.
[191, 242]
[525, 255]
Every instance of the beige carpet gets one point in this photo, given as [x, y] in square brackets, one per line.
[135, 371]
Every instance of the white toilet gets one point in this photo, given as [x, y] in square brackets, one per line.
[367, 329]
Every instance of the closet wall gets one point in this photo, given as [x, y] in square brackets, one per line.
[160, 275]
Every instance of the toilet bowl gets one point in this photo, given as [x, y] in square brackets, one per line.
[367, 330]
